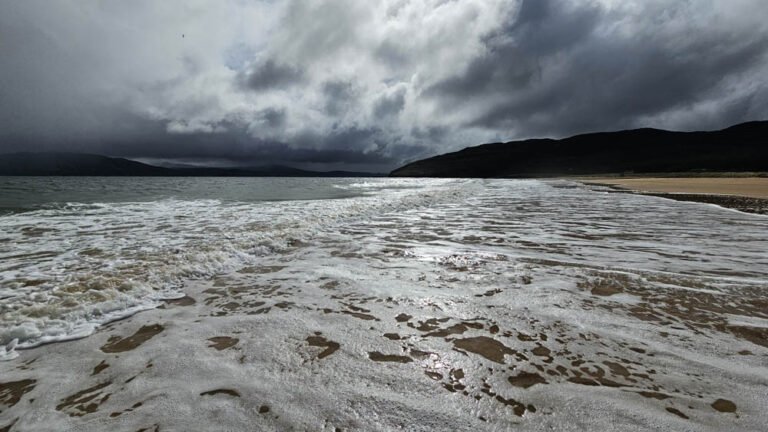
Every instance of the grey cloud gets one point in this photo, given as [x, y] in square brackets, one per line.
[391, 104]
[558, 70]
[270, 75]
[430, 133]
[370, 85]
[339, 97]
[273, 117]
[319, 29]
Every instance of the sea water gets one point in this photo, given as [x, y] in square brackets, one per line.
[76, 252]
[380, 304]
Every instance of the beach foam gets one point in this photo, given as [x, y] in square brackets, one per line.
[515, 305]
[67, 268]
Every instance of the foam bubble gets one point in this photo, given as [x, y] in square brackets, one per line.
[69, 267]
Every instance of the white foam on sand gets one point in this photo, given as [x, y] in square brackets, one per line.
[524, 305]
[68, 268]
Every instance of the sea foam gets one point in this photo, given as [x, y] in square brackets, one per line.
[69, 267]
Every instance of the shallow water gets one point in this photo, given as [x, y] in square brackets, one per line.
[76, 252]
[416, 305]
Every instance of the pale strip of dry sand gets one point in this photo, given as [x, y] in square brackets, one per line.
[751, 187]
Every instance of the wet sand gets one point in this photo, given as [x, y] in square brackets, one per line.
[453, 317]
[748, 194]
[751, 187]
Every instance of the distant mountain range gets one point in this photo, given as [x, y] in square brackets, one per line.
[80, 164]
[739, 148]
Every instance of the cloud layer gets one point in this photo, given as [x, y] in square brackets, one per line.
[367, 85]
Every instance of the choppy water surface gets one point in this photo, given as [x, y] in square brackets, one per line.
[75, 252]
[407, 304]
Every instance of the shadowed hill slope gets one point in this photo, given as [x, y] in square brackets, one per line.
[743, 147]
[80, 164]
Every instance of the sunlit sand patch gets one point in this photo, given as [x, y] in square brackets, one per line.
[86, 401]
[683, 302]
[233, 299]
[724, 405]
[601, 287]
[133, 407]
[452, 379]
[222, 342]
[654, 395]
[526, 379]
[27, 364]
[100, 367]
[452, 330]
[403, 317]
[220, 282]
[181, 301]
[260, 269]
[468, 262]
[330, 285]
[115, 344]
[348, 255]
[319, 341]
[609, 369]
[12, 392]
[518, 408]
[8, 427]
[485, 346]
[756, 335]
[677, 412]
[506, 342]
[360, 315]
[226, 308]
[228, 392]
[489, 293]
[430, 324]
[392, 358]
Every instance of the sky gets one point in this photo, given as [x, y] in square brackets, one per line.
[366, 85]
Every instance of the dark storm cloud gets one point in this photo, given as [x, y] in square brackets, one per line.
[270, 75]
[273, 117]
[339, 96]
[236, 146]
[555, 71]
[391, 104]
[342, 147]
[431, 133]
[367, 85]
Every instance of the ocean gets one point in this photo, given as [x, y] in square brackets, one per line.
[381, 304]
[78, 252]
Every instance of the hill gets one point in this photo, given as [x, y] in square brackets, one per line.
[80, 164]
[743, 147]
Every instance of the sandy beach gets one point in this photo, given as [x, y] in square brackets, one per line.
[384, 216]
[748, 194]
[512, 305]
[752, 187]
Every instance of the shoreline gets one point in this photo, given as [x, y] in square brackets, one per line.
[443, 318]
[745, 194]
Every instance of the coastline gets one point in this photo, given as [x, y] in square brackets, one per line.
[441, 317]
[745, 194]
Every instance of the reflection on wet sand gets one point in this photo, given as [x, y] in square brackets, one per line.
[85, 401]
[527, 314]
[228, 392]
[222, 342]
[12, 392]
[116, 344]
[319, 341]
[394, 358]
